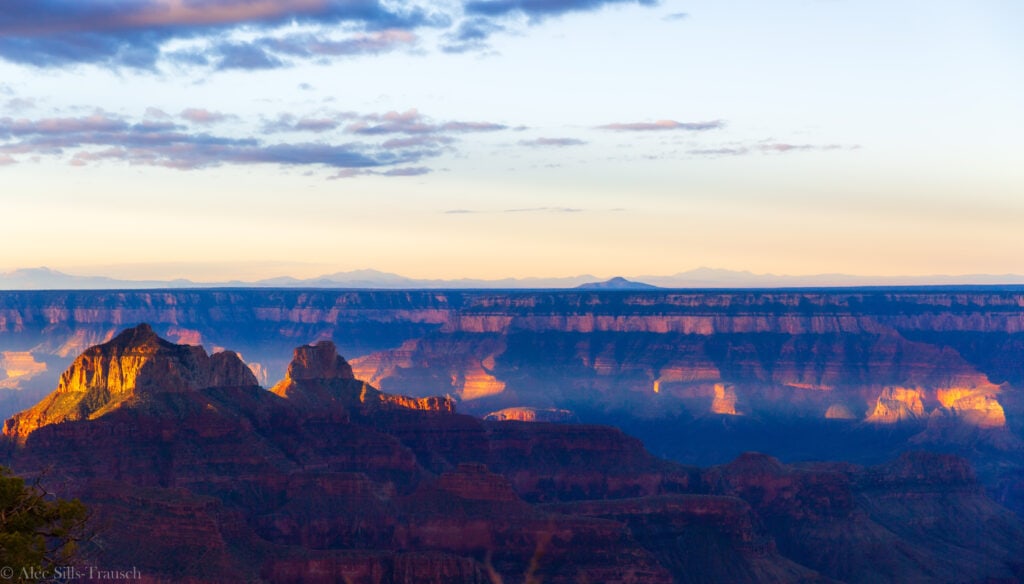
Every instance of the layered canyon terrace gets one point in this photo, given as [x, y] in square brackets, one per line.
[700, 376]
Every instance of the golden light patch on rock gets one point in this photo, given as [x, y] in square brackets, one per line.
[898, 404]
[976, 406]
[839, 412]
[478, 383]
[724, 400]
[809, 386]
[19, 366]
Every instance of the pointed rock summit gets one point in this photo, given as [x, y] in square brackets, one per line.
[318, 378]
[133, 365]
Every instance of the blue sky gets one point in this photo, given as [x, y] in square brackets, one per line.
[241, 139]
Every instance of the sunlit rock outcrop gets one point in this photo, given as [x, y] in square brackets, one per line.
[724, 400]
[318, 377]
[898, 404]
[135, 365]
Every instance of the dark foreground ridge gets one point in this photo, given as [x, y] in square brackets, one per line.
[196, 473]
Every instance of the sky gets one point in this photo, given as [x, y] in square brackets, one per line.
[246, 139]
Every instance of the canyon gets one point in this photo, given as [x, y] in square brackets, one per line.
[858, 375]
[194, 472]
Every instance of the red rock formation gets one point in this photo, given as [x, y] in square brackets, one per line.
[318, 377]
[134, 366]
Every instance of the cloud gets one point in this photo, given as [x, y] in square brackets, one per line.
[252, 34]
[557, 142]
[540, 9]
[246, 56]
[203, 116]
[428, 141]
[131, 33]
[159, 139]
[664, 125]
[719, 151]
[406, 171]
[676, 16]
[102, 136]
[319, 124]
[311, 45]
[18, 104]
[471, 35]
[767, 147]
[412, 122]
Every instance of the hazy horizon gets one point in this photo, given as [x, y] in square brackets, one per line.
[497, 139]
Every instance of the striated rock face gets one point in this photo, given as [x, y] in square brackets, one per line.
[897, 404]
[200, 476]
[134, 366]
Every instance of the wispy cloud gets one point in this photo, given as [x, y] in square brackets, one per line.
[676, 16]
[471, 35]
[768, 147]
[406, 171]
[663, 125]
[103, 136]
[203, 116]
[539, 9]
[547, 142]
[388, 144]
[314, 123]
[413, 122]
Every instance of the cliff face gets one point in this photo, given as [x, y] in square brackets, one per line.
[938, 368]
[203, 476]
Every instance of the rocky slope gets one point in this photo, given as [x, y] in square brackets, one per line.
[196, 473]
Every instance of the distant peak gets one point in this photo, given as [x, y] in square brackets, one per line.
[616, 283]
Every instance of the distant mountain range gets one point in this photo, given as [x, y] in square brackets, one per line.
[48, 279]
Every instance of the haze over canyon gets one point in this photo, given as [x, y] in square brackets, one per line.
[701, 377]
